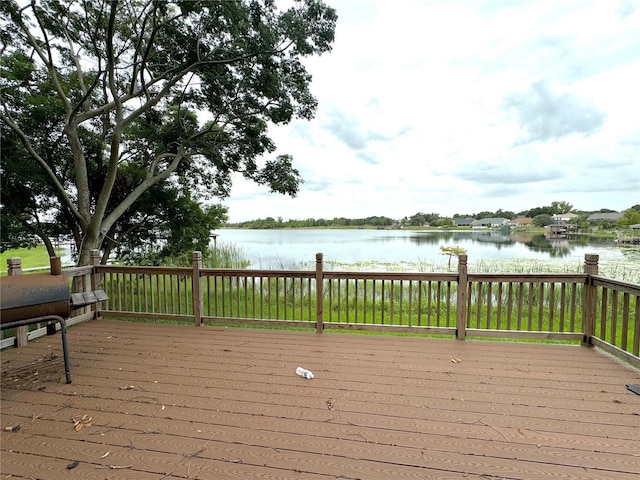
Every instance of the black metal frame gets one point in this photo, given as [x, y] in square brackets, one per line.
[63, 331]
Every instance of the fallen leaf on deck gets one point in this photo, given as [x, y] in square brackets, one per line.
[105, 455]
[79, 422]
[456, 360]
[128, 387]
[13, 428]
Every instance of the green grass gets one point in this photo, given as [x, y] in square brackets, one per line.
[31, 257]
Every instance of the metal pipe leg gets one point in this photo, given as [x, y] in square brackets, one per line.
[65, 350]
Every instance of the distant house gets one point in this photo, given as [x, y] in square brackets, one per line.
[520, 221]
[563, 217]
[490, 222]
[463, 222]
[604, 217]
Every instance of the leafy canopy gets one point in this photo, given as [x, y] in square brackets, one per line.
[109, 106]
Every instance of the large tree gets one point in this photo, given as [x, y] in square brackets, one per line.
[103, 101]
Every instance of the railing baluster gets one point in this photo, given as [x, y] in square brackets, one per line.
[573, 306]
[489, 290]
[448, 324]
[391, 307]
[429, 303]
[479, 305]
[364, 301]
[438, 302]
[563, 295]
[530, 307]
[400, 299]
[625, 320]
[603, 314]
[636, 329]
[540, 305]
[509, 305]
[614, 317]
[346, 301]
[552, 305]
[382, 304]
[499, 307]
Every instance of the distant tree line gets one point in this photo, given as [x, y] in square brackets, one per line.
[270, 222]
[542, 216]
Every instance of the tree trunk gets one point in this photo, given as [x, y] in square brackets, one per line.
[91, 241]
[47, 243]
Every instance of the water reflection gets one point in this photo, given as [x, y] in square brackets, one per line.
[556, 246]
[287, 248]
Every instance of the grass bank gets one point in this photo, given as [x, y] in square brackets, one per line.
[36, 257]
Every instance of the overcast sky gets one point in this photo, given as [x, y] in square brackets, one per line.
[461, 106]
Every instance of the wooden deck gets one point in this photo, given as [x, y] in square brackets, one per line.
[180, 402]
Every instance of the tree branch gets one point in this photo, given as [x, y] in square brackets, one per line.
[142, 188]
[47, 59]
[50, 173]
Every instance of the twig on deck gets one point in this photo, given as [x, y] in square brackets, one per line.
[494, 429]
[199, 451]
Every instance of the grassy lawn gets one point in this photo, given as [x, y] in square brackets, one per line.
[31, 258]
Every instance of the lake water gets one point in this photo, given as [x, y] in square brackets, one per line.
[410, 250]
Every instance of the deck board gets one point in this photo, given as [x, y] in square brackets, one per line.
[176, 401]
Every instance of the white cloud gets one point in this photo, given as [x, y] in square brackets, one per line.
[454, 106]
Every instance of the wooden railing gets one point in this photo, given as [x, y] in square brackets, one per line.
[581, 307]
[616, 317]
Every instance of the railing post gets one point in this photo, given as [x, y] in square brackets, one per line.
[14, 267]
[94, 256]
[56, 265]
[461, 301]
[196, 290]
[589, 299]
[319, 294]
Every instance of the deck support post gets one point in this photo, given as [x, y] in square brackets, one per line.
[196, 290]
[14, 267]
[319, 293]
[589, 299]
[461, 301]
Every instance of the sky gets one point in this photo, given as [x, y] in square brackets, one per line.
[463, 106]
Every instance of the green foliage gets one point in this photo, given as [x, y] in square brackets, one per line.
[271, 223]
[542, 220]
[554, 209]
[452, 251]
[33, 257]
[631, 216]
[222, 255]
[101, 112]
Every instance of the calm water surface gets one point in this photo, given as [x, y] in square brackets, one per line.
[296, 248]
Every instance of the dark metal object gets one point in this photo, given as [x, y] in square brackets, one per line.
[41, 297]
[37, 298]
[63, 333]
[34, 295]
